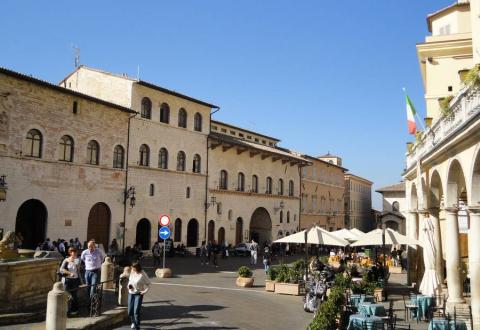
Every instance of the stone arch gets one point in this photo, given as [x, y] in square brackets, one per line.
[456, 185]
[192, 233]
[31, 223]
[211, 231]
[143, 233]
[436, 190]
[392, 224]
[261, 226]
[475, 178]
[221, 235]
[413, 197]
[98, 227]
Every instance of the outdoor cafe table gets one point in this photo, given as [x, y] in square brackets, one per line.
[356, 322]
[443, 324]
[356, 299]
[367, 308]
[423, 303]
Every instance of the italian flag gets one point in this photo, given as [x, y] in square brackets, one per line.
[412, 127]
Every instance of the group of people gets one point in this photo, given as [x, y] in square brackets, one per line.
[59, 245]
[91, 260]
[209, 252]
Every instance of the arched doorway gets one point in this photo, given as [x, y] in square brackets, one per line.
[392, 225]
[192, 233]
[144, 231]
[261, 226]
[211, 231]
[98, 227]
[239, 231]
[221, 235]
[177, 231]
[31, 223]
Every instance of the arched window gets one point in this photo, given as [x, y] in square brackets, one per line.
[66, 149]
[395, 206]
[290, 188]
[288, 216]
[187, 193]
[196, 164]
[144, 155]
[281, 216]
[146, 111]
[223, 180]
[163, 158]
[230, 214]
[165, 113]
[93, 152]
[177, 231]
[197, 122]
[181, 161]
[280, 186]
[241, 182]
[254, 183]
[34, 144]
[152, 189]
[182, 118]
[268, 189]
[118, 156]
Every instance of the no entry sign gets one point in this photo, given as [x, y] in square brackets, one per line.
[164, 220]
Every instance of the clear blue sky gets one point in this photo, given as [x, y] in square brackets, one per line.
[319, 75]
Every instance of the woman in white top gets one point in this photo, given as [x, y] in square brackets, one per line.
[138, 284]
[70, 269]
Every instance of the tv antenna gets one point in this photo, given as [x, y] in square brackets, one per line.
[76, 53]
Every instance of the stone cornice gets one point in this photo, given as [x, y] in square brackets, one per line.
[451, 209]
[474, 209]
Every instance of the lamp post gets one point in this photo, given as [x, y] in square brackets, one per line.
[127, 194]
[384, 227]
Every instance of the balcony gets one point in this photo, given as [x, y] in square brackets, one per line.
[465, 107]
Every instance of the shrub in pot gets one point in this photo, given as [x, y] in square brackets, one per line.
[244, 279]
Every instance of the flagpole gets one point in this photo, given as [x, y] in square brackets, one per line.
[416, 113]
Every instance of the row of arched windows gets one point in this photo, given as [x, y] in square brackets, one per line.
[281, 216]
[268, 184]
[66, 149]
[144, 159]
[146, 112]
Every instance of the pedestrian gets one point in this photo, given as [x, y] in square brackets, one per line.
[253, 252]
[209, 251]
[61, 247]
[266, 259]
[113, 250]
[215, 250]
[203, 254]
[70, 269]
[93, 258]
[156, 251]
[138, 284]
[404, 256]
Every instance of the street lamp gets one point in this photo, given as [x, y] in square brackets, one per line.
[130, 193]
[127, 194]
[213, 201]
[3, 188]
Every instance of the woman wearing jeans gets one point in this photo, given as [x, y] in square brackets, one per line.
[70, 269]
[138, 284]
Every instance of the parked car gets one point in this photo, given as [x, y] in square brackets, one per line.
[242, 249]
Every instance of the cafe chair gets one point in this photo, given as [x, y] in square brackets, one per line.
[409, 308]
[439, 307]
[391, 322]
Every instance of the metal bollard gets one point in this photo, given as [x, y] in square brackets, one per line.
[123, 287]
[107, 273]
[57, 308]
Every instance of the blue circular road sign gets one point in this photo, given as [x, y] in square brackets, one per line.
[164, 233]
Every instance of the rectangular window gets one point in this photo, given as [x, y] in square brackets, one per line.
[224, 130]
[249, 137]
[214, 128]
[232, 132]
[240, 135]
[257, 140]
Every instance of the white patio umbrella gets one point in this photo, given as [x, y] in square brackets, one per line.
[315, 235]
[431, 281]
[374, 237]
[357, 232]
[346, 234]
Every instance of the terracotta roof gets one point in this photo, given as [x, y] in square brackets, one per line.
[64, 90]
[252, 145]
[245, 130]
[394, 187]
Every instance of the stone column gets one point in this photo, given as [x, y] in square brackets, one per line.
[412, 249]
[454, 279]
[474, 260]
[56, 318]
[422, 214]
[434, 216]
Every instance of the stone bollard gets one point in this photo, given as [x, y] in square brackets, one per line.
[123, 287]
[57, 308]
[163, 273]
[107, 273]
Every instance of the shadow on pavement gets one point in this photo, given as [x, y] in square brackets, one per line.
[176, 312]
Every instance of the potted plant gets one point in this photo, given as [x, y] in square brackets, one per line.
[270, 281]
[444, 103]
[244, 279]
[287, 281]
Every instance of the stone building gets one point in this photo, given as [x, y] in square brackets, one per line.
[358, 203]
[253, 186]
[442, 176]
[323, 192]
[394, 207]
[168, 153]
[63, 154]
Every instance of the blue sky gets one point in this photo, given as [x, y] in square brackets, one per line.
[319, 75]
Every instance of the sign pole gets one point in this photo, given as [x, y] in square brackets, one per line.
[164, 248]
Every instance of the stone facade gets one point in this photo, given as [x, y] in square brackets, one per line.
[394, 205]
[323, 189]
[358, 203]
[58, 195]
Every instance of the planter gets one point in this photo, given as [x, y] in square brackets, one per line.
[395, 270]
[287, 288]
[269, 286]
[378, 294]
[244, 282]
